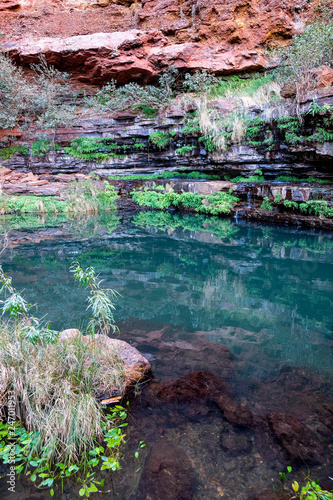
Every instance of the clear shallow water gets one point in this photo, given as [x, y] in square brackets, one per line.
[250, 304]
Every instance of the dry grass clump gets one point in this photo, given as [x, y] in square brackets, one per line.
[58, 386]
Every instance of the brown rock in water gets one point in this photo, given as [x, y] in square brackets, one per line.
[135, 365]
[234, 412]
[192, 387]
[167, 474]
[300, 442]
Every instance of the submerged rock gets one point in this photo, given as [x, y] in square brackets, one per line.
[167, 475]
[300, 442]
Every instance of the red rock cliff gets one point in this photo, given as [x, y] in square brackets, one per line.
[101, 39]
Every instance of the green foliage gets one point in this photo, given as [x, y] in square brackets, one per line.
[257, 177]
[101, 300]
[37, 100]
[208, 142]
[164, 175]
[94, 149]
[312, 48]
[278, 198]
[160, 139]
[314, 109]
[66, 432]
[184, 150]
[191, 124]
[215, 204]
[254, 128]
[82, 196]
[200, 82]
[266, 204]
[292, 138]
[321, 135]
[132, 95]
[320, 208]
[310, 491]
[246, 84]
[148, 112]
[139, 145]
[40, 147]
[290, 204]
[6, 153]
[288, 178]
[288, 123]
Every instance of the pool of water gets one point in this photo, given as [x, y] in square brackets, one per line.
[208, 301]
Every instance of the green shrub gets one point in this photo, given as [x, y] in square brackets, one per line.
[312, 48]
[93, 149]
[290, 204]
[40, 147]
[159, 139]
[215, 204]
[148, 112]
[200, 82]
[208, 143]
[266, 204]
[133, 95]
[184, 150]
[6, 153]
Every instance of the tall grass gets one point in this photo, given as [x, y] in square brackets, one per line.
[59, 381]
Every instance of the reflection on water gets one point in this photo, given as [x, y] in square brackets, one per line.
[197, 292]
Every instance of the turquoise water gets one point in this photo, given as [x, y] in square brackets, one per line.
[190, 285]
[274, 282]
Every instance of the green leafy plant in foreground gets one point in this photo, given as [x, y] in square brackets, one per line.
[101, 300]
[310, 491]
[57, 427]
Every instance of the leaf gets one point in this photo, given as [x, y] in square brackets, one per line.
[33, 478]
[289, 469]
[92, 488]
[52, 493]
[295, 486]
[136, 454]
[82, 492]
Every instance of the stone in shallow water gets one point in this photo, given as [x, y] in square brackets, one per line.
[236, 443]
[300, 442]
[167, 474]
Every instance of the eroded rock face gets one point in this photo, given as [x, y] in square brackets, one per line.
[223, 37]
[131, 55]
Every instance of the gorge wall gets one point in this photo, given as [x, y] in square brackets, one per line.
[131, 40]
